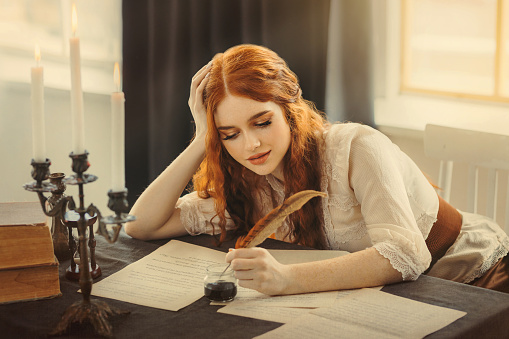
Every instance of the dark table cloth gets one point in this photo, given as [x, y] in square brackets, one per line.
[487, 311]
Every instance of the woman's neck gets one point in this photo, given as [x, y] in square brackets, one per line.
[278, 174]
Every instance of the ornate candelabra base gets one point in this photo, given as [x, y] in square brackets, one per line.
[96, 312]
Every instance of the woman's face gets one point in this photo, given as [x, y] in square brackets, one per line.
[254, 133]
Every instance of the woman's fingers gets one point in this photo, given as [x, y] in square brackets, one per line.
[240, 264]
[200, 75]
[195, 101]
[201, 70]
[201, 86]
[197, 81]
[257, 269]
[246, 253]
[249, 263]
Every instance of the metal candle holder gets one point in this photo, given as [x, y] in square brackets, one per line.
[66, 214]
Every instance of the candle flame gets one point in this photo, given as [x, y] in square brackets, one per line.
[37, 53]
[74, 19]
[116, 76]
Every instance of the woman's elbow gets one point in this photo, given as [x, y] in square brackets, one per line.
[133, 230]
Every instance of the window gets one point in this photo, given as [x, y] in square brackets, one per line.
[456, 48]
[406, 108]
[47, 23]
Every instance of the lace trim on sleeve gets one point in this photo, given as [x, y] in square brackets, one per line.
[193, 221]
[406, 263]
[197, 214]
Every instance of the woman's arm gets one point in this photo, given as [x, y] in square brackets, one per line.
[257, 269]
[156, 215]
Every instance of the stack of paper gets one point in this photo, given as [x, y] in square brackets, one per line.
[171, 278]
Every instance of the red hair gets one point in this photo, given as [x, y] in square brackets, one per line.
[258, 73]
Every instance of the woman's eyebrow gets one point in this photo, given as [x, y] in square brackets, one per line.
[254, 117]
[257, 115]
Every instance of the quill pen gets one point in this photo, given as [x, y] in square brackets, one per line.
[271, 222]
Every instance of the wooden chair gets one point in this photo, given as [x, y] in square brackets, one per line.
[478, 150]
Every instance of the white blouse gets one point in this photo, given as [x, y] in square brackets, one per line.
[377, 197]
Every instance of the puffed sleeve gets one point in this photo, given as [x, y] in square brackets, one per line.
[198, 215]
[379, 174]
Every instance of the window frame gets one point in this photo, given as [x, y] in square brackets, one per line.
[407, 113]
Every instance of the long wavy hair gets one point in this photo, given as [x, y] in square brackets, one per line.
[258, 73]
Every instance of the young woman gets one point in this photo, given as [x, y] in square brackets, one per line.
[258, 141]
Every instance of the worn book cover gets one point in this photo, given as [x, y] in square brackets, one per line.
[25, 237]
[29, 283]
[28, 267]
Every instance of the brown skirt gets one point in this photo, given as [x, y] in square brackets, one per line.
[496, 278]
[444, 233]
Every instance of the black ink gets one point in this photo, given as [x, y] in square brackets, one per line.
[220, 290]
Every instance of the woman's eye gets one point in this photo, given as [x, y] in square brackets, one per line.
[265, 123]
[228, 137]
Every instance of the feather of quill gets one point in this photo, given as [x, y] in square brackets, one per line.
[269, 223]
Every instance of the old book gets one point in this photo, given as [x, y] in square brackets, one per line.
[28, 267]
[25, 237]
[29, 283]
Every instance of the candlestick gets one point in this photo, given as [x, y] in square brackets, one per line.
[96, 312]
[77, 116]
[117, 135]
[38, 126]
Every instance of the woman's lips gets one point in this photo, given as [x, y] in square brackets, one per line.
[259, 158]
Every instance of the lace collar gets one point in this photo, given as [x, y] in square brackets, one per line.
[275, 184]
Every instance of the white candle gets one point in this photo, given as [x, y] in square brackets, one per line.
[77, 116]
[117, 135]
[38, 125]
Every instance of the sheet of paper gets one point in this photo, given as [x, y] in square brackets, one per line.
[277, 314]
[319, 299]
[258, 309]
[169, 278]
[390, 314]
[313, 326]
[281, 310]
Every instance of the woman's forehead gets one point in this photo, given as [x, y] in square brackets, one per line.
[241, 109]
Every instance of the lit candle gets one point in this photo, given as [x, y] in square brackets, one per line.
[117, 134]
[77, 116]
[38, 126]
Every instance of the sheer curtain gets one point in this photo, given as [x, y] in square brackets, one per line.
[166, 42]
[350, 61]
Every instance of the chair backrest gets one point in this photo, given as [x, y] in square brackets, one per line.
[478, 150]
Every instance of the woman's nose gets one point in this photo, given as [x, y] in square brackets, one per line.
[252, 142]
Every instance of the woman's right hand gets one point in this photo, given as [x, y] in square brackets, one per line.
[195, 102]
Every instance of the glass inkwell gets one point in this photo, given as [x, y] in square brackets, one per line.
[220, 283]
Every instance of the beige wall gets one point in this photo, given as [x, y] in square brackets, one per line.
[16, 142]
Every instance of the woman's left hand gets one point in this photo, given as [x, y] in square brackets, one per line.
[256, 268]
